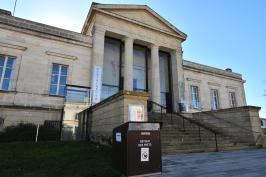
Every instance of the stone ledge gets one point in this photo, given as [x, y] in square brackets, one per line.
[250, 108]
[119, 95]
[28, 107]
[61, 55]
[13, 46]
[201, 67]
[28, 25]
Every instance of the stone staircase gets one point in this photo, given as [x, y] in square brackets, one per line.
[182, 136]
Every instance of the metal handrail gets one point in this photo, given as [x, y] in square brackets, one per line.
[151, 103]
[190, 120]
[199, 126]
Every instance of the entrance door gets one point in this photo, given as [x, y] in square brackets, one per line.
[165, 82]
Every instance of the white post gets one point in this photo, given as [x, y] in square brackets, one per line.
[37, 133]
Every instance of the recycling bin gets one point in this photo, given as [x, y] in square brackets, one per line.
[136, 148]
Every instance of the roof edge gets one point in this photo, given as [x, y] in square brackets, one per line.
[129, 6]
[211, 69]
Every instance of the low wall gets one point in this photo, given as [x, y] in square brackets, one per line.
[13, 115]
[242, 123]
[111, 113]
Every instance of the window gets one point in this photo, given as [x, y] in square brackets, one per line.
[232, 99]
[6, 72]
[58, 80]
[214, 99]
[194, 97]
[164, 77]
[111, 68]
[139, 68]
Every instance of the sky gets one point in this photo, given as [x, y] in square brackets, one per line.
[221, 33]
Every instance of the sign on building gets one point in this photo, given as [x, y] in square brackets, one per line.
[136, 112]
[96, 84]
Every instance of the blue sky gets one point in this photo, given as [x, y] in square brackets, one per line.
[224, 33]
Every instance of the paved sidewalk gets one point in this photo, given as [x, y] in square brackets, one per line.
[242, 163]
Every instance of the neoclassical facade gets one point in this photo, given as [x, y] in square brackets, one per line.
[48, 73]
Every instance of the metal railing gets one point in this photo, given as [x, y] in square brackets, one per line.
[108, 90]
[151, 105]
[78, 94]
[200, 125]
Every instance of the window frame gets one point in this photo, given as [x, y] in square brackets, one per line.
[2, 77]
[197, 96]
[215, 94]
[231, 104]
[58, 80]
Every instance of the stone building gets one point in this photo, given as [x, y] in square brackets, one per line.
[48, 73]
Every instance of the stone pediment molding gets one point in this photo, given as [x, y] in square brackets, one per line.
[138, 14]
[61, 55]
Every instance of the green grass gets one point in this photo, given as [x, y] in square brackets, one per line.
[62, 159]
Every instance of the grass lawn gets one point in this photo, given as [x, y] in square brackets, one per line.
[56, 159]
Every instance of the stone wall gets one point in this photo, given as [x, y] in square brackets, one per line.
[207, 78]
[112, 112]
[242, 123]
[14, 115]
[35, 51]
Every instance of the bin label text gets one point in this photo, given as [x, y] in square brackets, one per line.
[118, 137]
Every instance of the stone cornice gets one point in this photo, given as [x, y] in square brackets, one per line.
[29, 107]
[13, 46]
[44, 31]
[211, 70]
[121, 94]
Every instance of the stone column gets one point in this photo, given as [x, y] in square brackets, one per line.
[178, 85]
[155, 75]
[128, 64]
[97, 62]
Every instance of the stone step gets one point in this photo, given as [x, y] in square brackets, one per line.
[182, 136]
[186, 149]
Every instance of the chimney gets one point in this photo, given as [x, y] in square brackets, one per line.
[228, 69]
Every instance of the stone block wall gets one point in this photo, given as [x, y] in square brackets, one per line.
[113, 112]
[36, 47]
[14, 115]
[242, 123]
[207, 78]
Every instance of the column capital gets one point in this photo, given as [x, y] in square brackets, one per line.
[127, 39]
[154, 46]
[179, 50]
[98, 29]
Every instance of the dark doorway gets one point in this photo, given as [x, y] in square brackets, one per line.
[165, 81]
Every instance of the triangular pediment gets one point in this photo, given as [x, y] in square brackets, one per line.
[140, 14]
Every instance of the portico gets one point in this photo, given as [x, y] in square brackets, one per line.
[131, 64]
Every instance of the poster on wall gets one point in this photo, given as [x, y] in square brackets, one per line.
[136, 112]
[96, 84]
